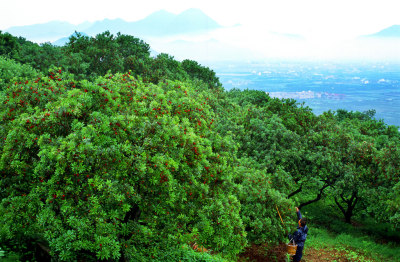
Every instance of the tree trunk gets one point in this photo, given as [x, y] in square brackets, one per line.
[347, 217]
[351, 204]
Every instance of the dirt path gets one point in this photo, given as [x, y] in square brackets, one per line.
[258, 253]
[314, 255]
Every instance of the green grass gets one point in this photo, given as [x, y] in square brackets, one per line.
[324, 215]
[355, 248]
[8, 257]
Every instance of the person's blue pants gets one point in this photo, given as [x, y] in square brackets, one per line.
[299, 254]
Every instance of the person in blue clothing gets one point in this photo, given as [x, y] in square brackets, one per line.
[299, 237]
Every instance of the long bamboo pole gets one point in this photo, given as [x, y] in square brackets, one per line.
[279, 214]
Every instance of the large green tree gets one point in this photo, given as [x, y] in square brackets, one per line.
[116, 168]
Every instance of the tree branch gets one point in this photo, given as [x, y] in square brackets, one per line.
[342, 197]
[296, 192]
[355, 198]
[315, 199]
[44, 248]
[340, 206]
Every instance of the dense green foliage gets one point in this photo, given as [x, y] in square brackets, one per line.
[11, 70]
[90, 57]
[109, 153]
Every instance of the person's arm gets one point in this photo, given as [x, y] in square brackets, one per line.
[299, 216]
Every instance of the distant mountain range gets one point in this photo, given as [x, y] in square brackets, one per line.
[390, 32]
[64, 40]
[160, 23]
[48, 31]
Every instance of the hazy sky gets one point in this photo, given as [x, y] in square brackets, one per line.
[329, 27]
[311, 18]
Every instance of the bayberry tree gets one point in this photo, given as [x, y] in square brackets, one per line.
[115, 168]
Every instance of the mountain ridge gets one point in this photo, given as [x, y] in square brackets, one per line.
[388, 32]
[50, 30]
[159, 23]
